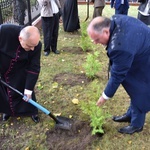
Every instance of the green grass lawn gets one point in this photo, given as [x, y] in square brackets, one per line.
[24, 134]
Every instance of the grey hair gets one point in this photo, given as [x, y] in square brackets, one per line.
[98, 27]
[25, 34]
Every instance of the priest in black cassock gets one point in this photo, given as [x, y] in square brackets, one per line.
[70, 16]
[20, 51]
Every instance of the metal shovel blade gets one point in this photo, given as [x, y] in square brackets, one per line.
[63, 123]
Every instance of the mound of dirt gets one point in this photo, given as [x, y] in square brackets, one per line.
[71, 79]
[74, 50]
[78, 138]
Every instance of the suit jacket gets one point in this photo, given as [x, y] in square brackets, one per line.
[129, 52]
[98, 3]
[116, 4]
[46, 8]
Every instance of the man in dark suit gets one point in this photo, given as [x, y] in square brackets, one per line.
[121, 6]
[128, 48]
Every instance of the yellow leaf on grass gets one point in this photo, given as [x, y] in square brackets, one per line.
[27, 148]
[57, 114]
[6, 125]
[75, 101]
[129, 142]
[77, 95]
[55, 85]
[70, 116]
[18, 118]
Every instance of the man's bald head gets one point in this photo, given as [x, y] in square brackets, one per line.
[98, 23]
[99, 30]
[30, 32]
[29, 35]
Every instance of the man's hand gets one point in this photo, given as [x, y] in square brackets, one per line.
[26, 97]
[101, 101]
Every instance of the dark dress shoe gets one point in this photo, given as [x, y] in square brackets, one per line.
[46, 53]
[122, 118]
[35, 118]
[56, 52]
[130, 130]
[5, 117]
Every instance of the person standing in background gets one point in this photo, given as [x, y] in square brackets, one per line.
[50, 24]
[144, 11]
[121, 6]
[70, 16]
[98, 7]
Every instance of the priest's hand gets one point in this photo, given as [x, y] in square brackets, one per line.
[27, 97]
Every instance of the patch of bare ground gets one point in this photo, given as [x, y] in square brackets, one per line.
[74, 50]
[78, 138]
[71, 79]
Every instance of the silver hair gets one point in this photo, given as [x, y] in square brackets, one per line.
[98, 27]
[25, 34]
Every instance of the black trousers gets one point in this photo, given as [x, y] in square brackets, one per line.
[50, 26]
[98, 11]
[145, 19]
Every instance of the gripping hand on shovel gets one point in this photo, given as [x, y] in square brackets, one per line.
[27, 95]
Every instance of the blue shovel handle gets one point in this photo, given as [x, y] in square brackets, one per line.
[39, 106]
[32, 102]
[47, 112]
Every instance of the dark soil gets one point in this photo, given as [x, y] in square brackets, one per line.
[71, 79]
[74, 50]
[78, 138]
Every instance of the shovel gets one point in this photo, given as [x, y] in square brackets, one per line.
[61, 122]
[88, 1]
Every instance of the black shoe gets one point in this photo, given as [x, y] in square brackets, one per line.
[56, 52]
[46, 53]
[122, 118]
[35, 118]
[130, 129]
[5, 117]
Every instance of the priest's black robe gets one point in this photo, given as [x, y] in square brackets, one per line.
[70, 16]
[20, 69]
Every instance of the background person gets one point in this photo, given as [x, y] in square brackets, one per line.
[70, 16]
[50, 24]
[98, 7]
[121, 6]
[20, 52]
[128, 48]
[144, 11]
